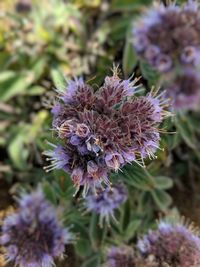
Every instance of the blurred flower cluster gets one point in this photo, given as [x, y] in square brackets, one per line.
[106, 201]
[32, 236]
[168, 38]
[172, 245]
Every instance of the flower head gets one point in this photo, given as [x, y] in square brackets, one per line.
[105, 202]
[122, 256]
[102, 131]
[166, 36]
[171, 245]
[23, 6]
[184, 91]
[33, 236]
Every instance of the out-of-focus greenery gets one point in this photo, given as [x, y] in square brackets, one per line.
[82, 38]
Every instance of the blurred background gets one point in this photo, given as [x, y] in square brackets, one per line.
[42, 42]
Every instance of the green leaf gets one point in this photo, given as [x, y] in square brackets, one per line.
[38, 67]
[129, 56]
[58, 78]
[36, 127]
[186, 131]
[149, 73]
[125, 215]
[162, 199]
[128, 5]
[94, 261]
[83, 247]
[96, 233]
[94, 230]
[36, 90]
[138, 177]
[49, 192]
[13, 83]
[119, 28]
[163, 182]
[64, 183]
[131, 229]
[17, 151]
[171, 141]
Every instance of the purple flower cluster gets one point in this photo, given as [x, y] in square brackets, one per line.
[171, 245]
[23, 6]
[32, 236]
[165, 36]
[106, 201]
[185, 90]
[168, 38]
[102, 131]
[123, 256]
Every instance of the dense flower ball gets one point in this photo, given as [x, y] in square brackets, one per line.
[102, 131]
[171, 245]
[166, 36]
[32, 236]
[23, 6]
[122, 256]
[184, 91]
[106, 201]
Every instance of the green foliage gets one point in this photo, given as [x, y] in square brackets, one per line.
[129, 60]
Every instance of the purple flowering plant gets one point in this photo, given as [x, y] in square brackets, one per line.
[168, 39]
[169, 35]
[102, 131]
[33, 236]
[106, 201]
[114, 142]
[171, 244]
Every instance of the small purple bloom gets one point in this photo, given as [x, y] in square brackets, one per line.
[75, 140]
[151, 53]
[92, 144]
[158, 102]
[149, 147]
[66, 129]
[114, 160]
[35, 237]
[140, 42]
[129, 155]
[82, 130]
[106, 201]
[77, 175]
[171, 245]
[163, 63]
[92, 168]
[116, 88]
[184, 91]
[56, 109]
[82, 149]
[189, 54]
[73, 86]
[58, 157]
